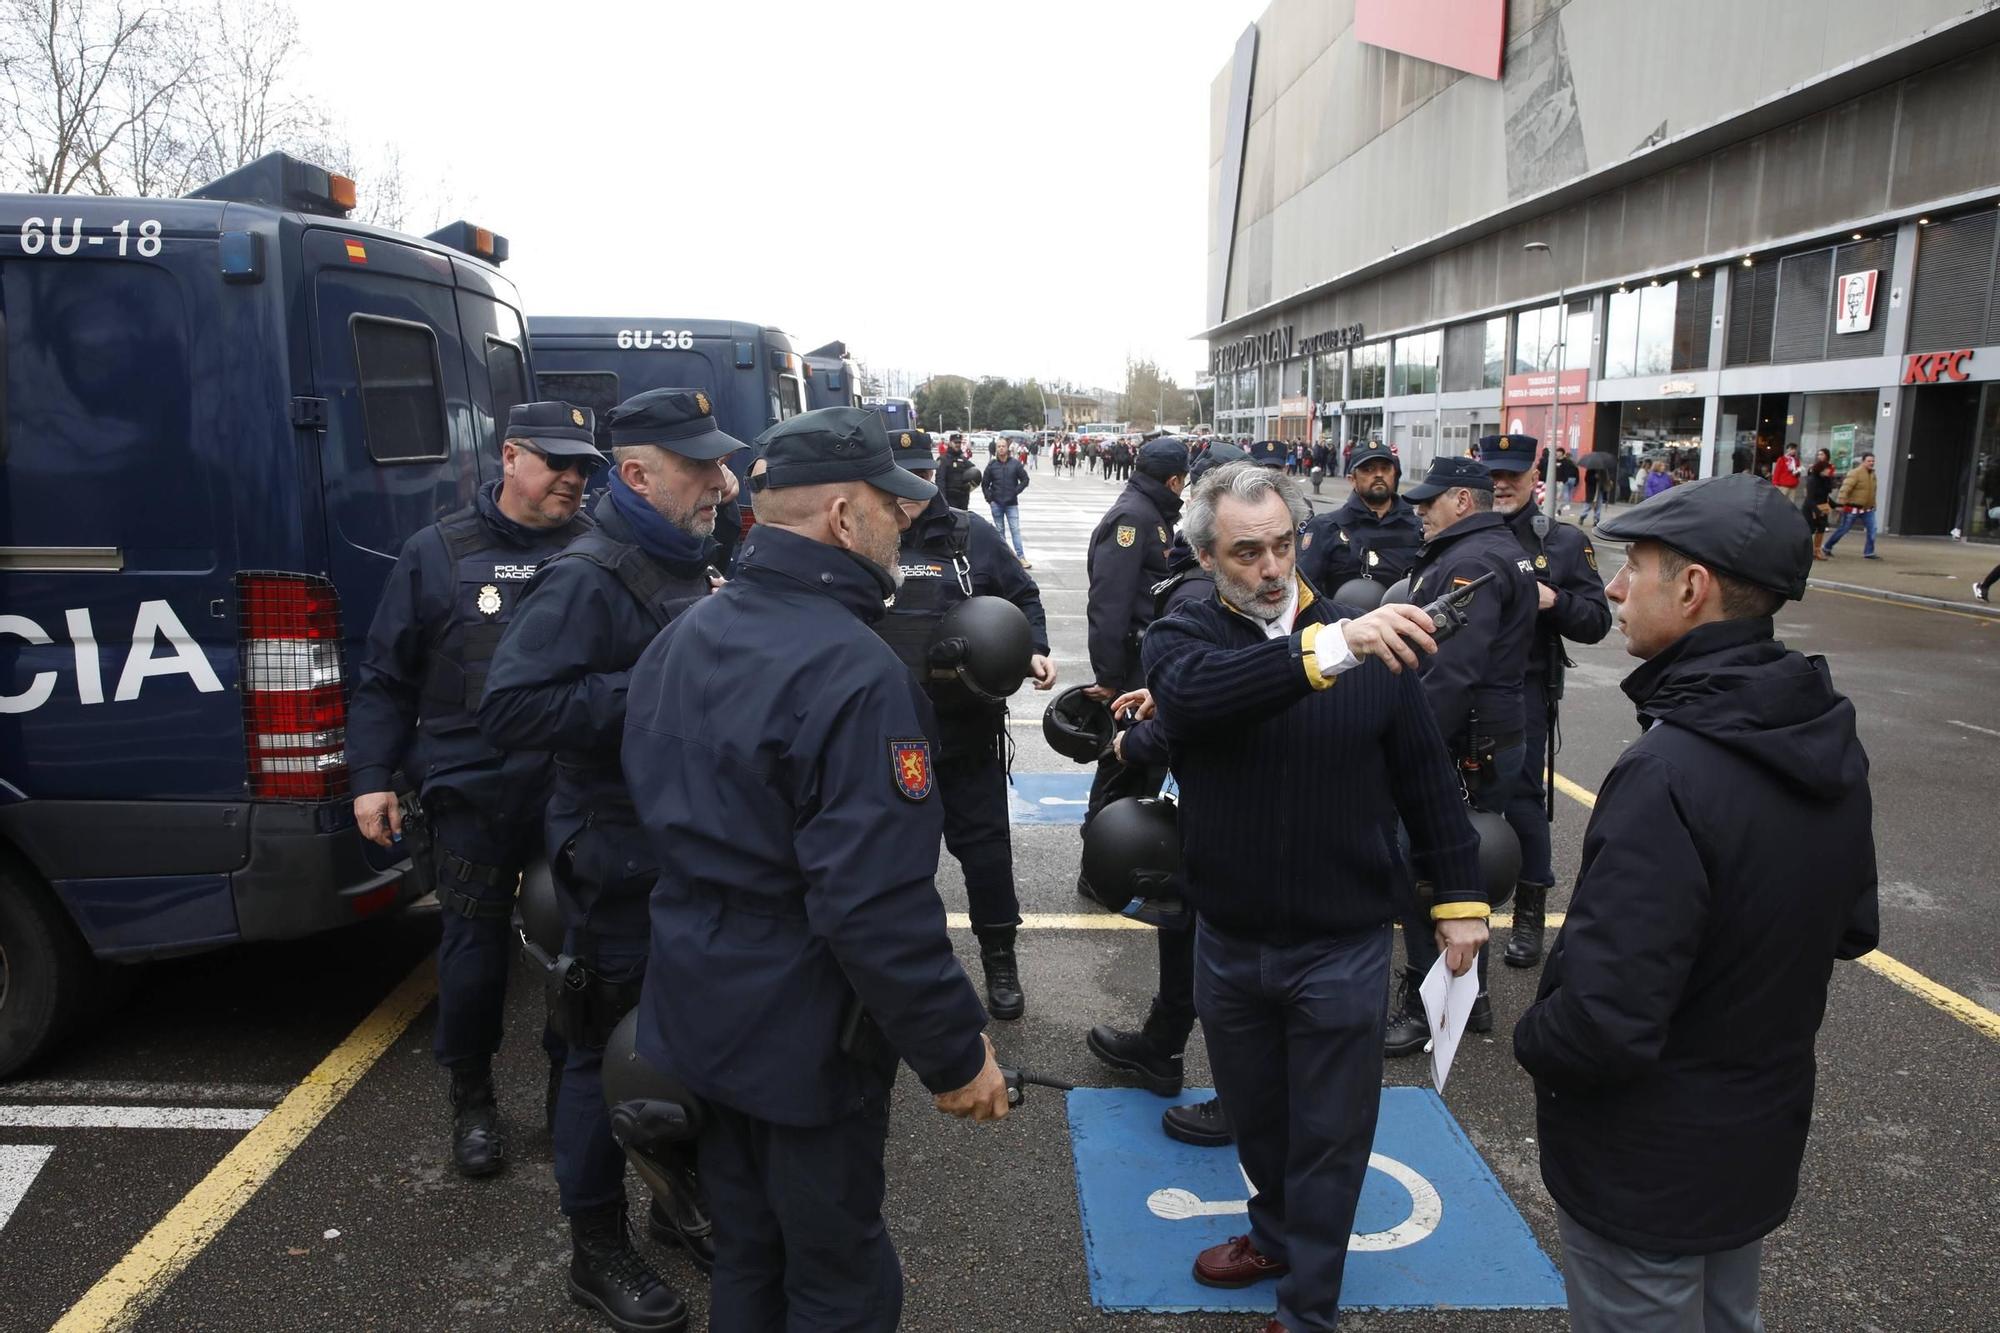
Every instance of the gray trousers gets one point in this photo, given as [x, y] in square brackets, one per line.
[1616, 1289]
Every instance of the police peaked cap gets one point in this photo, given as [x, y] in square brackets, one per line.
[1740, 525]
[1369, 451]
[1448, 474]
[560, 430]
[1215, 455]
[915, 450]
[1269, 453]
[835, 444]
[1163, 458]
[680, 420]
[1508, 453]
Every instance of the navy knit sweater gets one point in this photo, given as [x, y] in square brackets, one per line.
[1291, 784]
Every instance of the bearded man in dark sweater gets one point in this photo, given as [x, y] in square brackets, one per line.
[1298, 740]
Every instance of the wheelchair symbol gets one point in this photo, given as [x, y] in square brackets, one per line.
[1426, 1207]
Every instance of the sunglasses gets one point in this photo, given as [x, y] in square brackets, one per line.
[565, 463]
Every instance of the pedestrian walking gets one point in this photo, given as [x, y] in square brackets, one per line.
[1786, 473]
[1671, 1042]
[1657, 479]
[1004, 480]
[1567, 477]
[1857, 505]
[1819, 483]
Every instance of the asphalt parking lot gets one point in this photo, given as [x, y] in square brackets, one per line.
[255, 1139]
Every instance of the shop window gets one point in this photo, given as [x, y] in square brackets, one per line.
[1246, 390]
[1494, 365]
[1298, 377]
[1843, 424]
[1271, 385]
[1369, 372]
[1330, 377]
[1538, 332]
[1416, 363]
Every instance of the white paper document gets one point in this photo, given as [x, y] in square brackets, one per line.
[1447, 1004]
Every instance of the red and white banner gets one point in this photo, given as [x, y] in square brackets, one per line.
[1462, 34]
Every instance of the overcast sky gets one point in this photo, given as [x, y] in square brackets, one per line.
[1013, 189]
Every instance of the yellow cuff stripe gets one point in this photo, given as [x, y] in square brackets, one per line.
[1307, 637]
[1459, 911]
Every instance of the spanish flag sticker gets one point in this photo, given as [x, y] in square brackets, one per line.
[356, 252]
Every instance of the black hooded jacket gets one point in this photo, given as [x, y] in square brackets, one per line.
[1729, 861]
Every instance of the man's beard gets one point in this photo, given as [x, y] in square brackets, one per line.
[1247, 597]
[695, 521]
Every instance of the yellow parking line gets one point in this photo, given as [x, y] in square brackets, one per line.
[1975, 1016]
[138, 1279]
[1111, 921]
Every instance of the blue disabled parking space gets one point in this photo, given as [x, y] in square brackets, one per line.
[1434, 1229]
[1048, 798]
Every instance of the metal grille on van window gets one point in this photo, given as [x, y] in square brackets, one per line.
[1953, 283]
[294, 686]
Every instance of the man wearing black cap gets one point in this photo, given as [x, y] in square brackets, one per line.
[1671, 1042]
[558, 684]
[961, 475]
[1156, 1051]
[1375, 535]
[799, 946]
[1570, 605]
[1473, 683]
[454, 589]
[947, 556]
[1127, 556]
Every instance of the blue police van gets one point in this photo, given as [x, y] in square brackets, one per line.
[832, 378]
[220, 417]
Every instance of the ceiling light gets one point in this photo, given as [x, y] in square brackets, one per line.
[1923, 222]
[1858, 236]
[1747, 261]
[1695, 272]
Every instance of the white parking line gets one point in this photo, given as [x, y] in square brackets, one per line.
[127, 1090]
[20, 1163]
[130, 1117]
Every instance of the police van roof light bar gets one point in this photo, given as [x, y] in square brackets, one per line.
[467, 239]
[279, 180]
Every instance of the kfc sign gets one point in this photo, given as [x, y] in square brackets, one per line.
[1462, 34]
[1937, 367]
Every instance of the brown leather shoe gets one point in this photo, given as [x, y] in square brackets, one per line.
[1235, 1263]
[1275, 1327]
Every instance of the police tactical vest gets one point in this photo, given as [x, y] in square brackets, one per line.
[488, 581]
[935, 579]
[651, 586]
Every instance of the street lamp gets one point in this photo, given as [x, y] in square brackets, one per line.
[1555, 411]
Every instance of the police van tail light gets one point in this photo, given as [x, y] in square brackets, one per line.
[294, 675]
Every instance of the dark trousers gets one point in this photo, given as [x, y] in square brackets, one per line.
[1172, 1020]
[800, 1245]
[478, 861]
[1295, 1039]
[972, 779]
[611, 933]
[1527, 803]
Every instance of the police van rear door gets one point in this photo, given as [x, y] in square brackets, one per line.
[400, 447]
[496, 356]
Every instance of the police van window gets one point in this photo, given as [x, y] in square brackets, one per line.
[791, 401]
[594, 389]
[506, 378]
[402, 401]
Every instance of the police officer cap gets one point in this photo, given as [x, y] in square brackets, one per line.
[1740, 525]
[1369, 451]
[1268, 453]
[560, 430]
[1163, 458]
[835, 444]
[1218, 453]
[682, 420]
[915, 450]
[1508, 453]
[1448, 474]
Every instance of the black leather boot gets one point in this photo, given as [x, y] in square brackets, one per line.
[1203, 1124]
[607, 1275]
[1408, 1029]
[1149, 1053]
[478, 1148]
[1004, 998]
[680, 1217]
[1524, 941]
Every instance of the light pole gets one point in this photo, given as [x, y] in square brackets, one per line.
[1555, 412]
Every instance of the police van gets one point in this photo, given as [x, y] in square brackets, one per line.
[220, 417]
[832, 378]
[749, 372]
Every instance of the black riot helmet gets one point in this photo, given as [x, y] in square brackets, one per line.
[1499, 855]
[1077, 726]
[1132, 860]
[1399, 591]
[654, 1118]
[539, 911]
[986, 644]
[1358, 594]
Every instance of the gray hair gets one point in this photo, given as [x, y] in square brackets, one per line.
[1242, 481]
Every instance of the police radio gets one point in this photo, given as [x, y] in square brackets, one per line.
[1447, 613]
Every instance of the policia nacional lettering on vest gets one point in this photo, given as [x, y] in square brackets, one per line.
[934, 580]
[487, 591]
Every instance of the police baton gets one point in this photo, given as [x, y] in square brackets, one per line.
[1017, 1081]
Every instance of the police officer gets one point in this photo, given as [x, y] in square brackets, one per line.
[961, 475]
[453, 590]
[1127, 556]
[780, 756]
[1572, 605]
[558, 683]
[1375, 535]
[1156, 1051]
[947, 556]
[1473, 683]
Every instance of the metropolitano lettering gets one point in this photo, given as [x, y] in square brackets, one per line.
[1280, 344]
